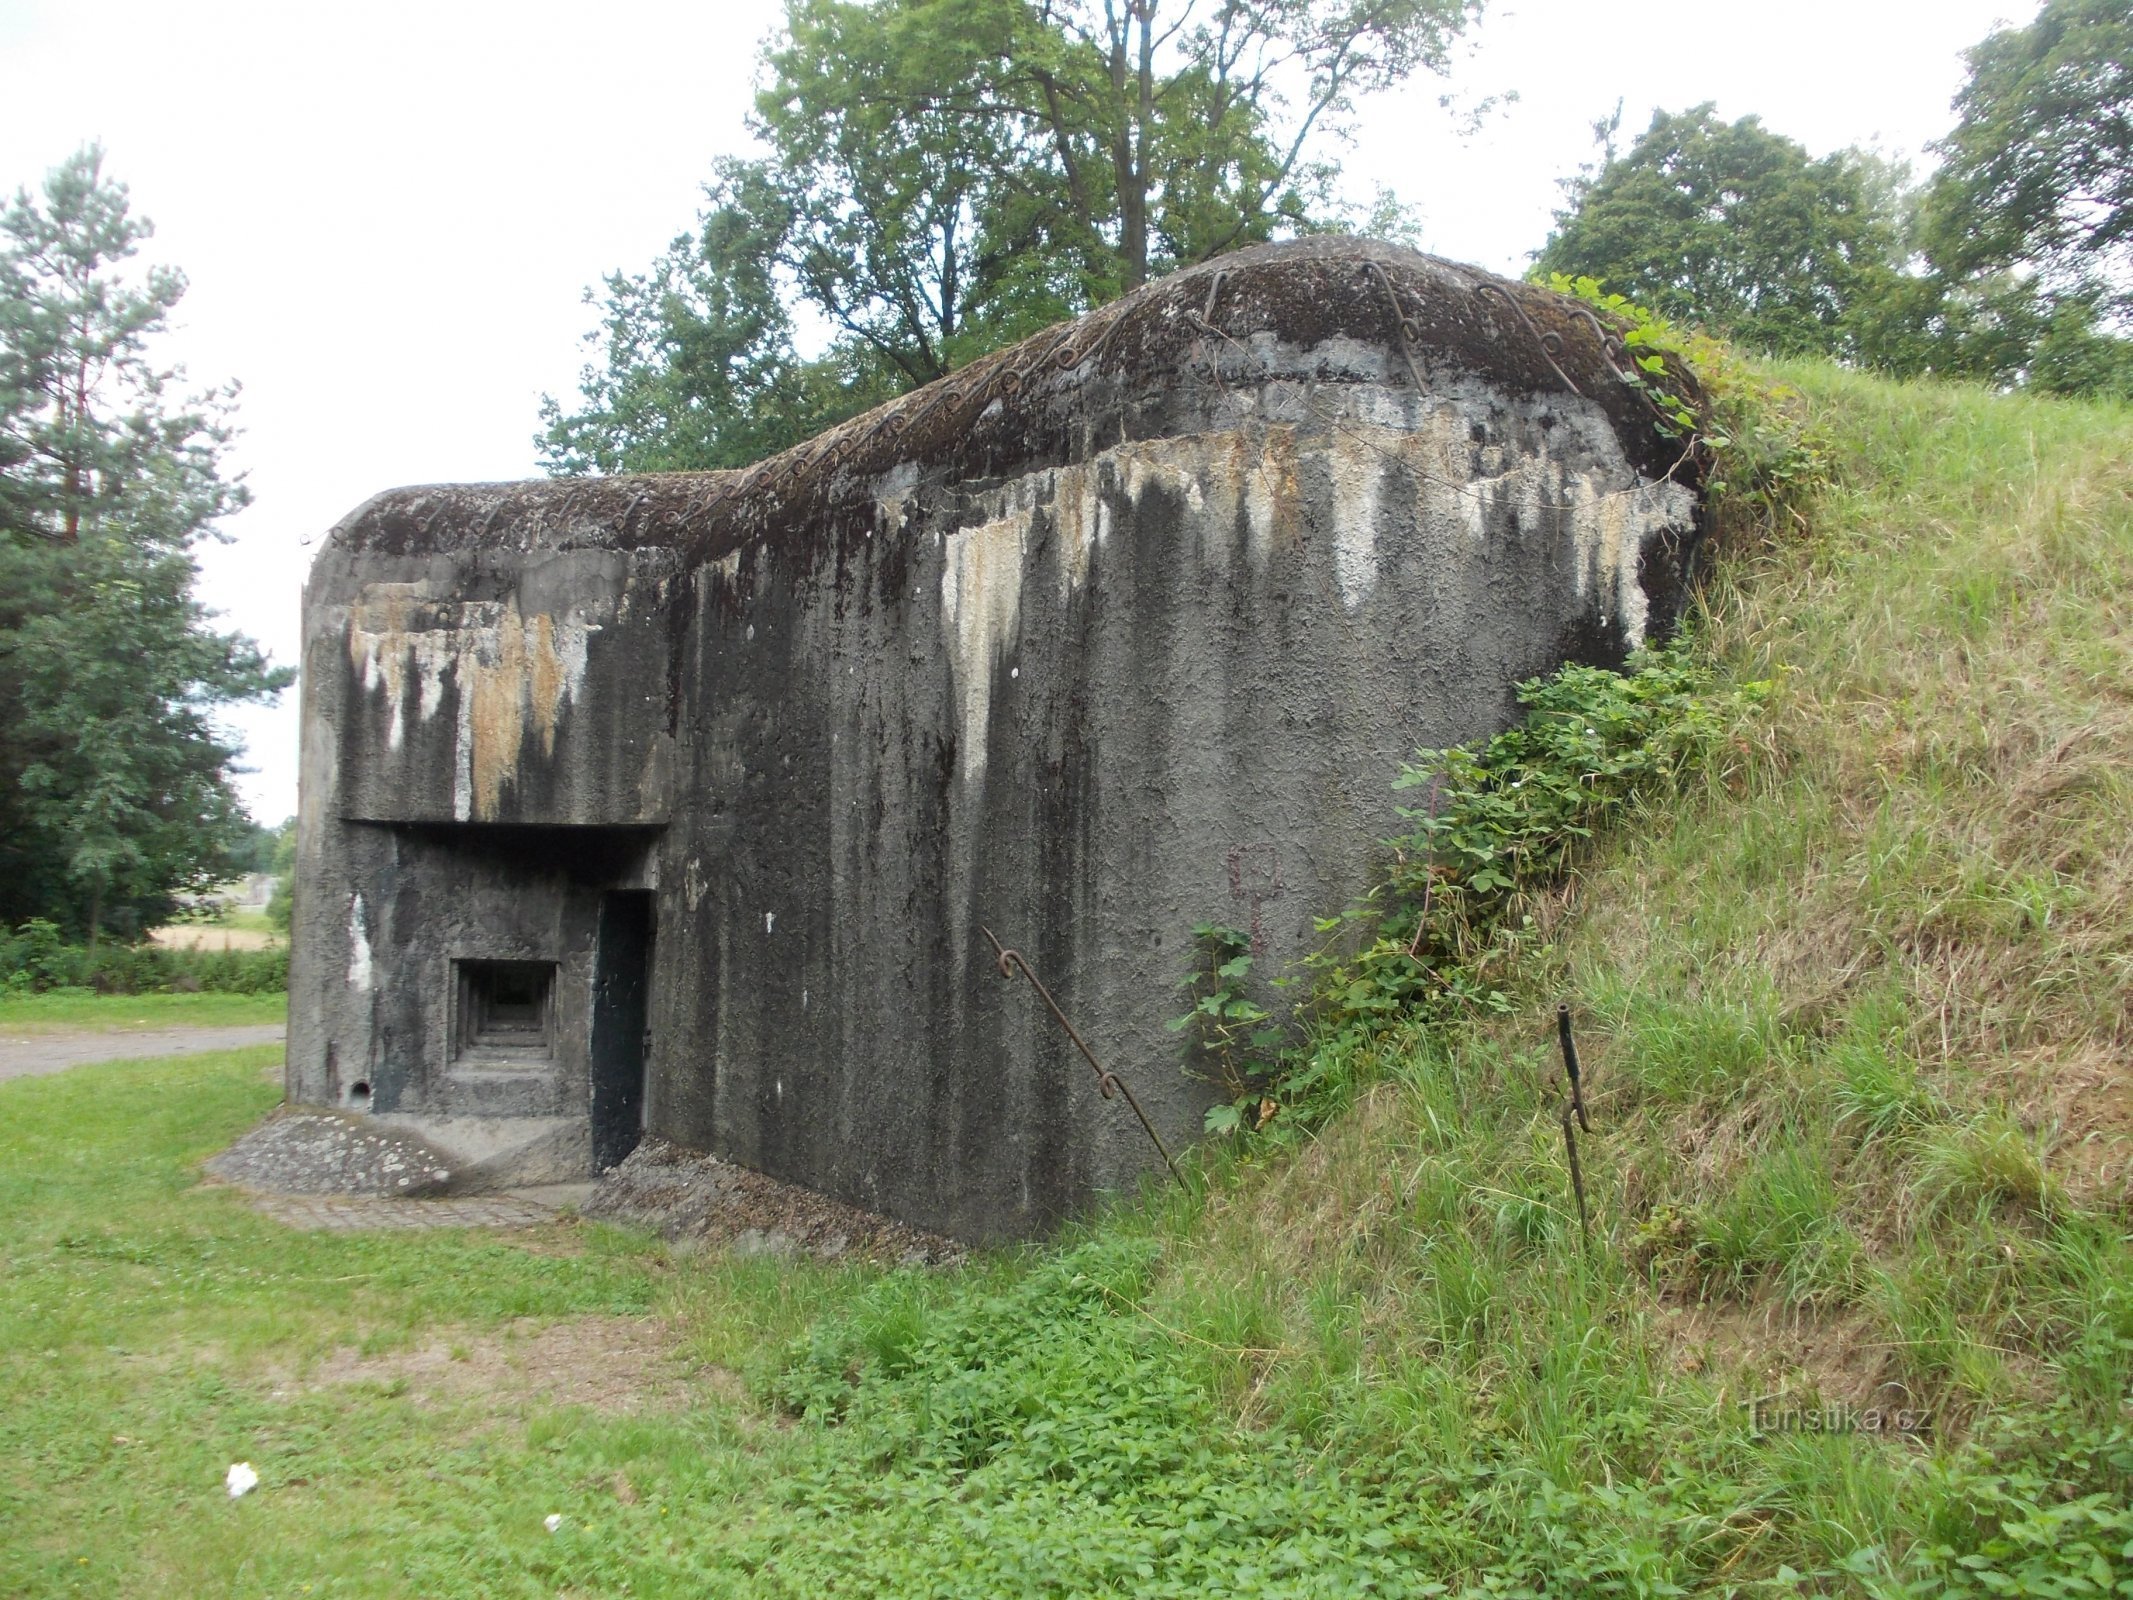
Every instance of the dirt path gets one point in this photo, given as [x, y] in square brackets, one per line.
[33, 1055]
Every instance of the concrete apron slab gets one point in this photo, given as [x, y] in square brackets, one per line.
[489, 1154]
[343, 1170]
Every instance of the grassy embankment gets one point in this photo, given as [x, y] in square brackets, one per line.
[1855, 1007]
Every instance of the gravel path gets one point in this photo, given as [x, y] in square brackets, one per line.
[699, 1200]
[33, 1055]
[360, 1213]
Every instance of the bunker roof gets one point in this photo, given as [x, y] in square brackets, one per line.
[1364, 311]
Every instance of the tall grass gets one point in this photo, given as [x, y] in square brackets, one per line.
[1845, 1011]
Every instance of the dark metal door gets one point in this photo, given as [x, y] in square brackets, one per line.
[622, 976]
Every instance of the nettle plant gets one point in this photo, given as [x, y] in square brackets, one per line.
[1236, 1037]
[1764, 458]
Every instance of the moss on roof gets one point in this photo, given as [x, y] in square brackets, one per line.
[1401, 317]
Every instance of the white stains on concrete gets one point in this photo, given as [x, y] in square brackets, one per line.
[1356, 475]
[1387, 477]
[894, 491]
[1223, 480]
[359, 962]
[512, 676]
[1259, 505]
[1609, 531]
[770, 922]
[1535, 492]
[1178, 465]
[385, 651]
[1082, 520]
[693, 883]
[981, 601]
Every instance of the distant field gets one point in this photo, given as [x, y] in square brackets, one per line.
[62, 1011]
[240, 928]
[229, 934]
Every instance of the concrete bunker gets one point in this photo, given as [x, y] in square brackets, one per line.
[678, 802]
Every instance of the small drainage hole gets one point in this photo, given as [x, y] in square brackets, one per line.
[359, 1093]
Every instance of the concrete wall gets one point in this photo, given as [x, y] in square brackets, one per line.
[1123, 630]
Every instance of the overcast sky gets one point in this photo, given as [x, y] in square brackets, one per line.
[389, 212]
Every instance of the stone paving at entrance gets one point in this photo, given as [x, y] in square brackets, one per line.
[353, 1213]
[315, 1151]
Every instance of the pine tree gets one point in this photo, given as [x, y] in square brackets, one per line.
[114, 784]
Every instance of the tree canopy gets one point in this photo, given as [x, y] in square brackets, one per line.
[2010, 266]
[114, 784]
[1737, 227]
[2038, 171]
[940, 177]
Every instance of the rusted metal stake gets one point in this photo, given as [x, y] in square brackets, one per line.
[1577, 1173]
[1106, 1081]
[1570, 1064]
[1573, 1115]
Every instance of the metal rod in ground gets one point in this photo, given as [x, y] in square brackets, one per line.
[1106, 1081]
[1570, 1064]
[1577, 1173]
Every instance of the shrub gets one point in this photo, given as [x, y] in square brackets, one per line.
[36, 958]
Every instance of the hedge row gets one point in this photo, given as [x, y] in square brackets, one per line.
[36, 957]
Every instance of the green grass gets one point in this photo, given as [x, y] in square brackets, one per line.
[64, 1010]
[153, 1331]
[1856, 1012]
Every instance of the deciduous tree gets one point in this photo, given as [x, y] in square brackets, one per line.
[941, 177]
[1734, 226]
[2038, 171]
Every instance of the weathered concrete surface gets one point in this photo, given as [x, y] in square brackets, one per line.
[488, 1154]
[1121, 630]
